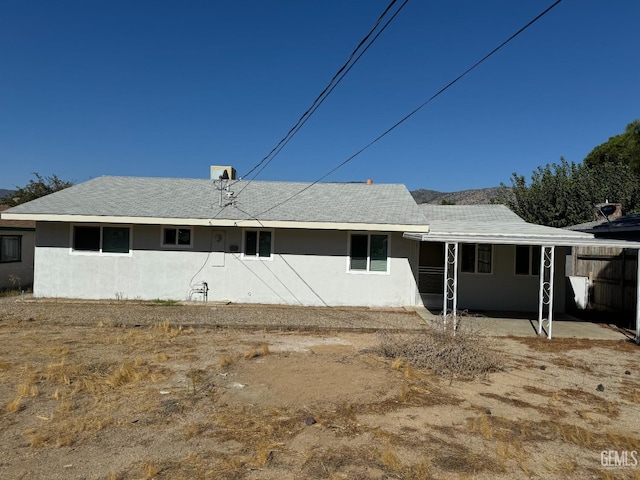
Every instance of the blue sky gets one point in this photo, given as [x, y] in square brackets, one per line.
[167, 88]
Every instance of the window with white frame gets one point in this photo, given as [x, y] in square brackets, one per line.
[101, 239]
[10, 248]
[181, 237]
[527, 260]
[368, 252]
[258, 243]
[476, 258]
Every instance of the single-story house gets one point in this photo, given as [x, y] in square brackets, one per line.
[250, 241]
[17, 242]
[324, 244]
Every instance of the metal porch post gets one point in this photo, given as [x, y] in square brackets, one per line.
[545, 293]
[450, 297]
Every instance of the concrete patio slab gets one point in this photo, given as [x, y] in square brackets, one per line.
[521, 324]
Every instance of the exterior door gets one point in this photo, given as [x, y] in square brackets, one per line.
[431, 273]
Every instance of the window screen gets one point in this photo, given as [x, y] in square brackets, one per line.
[10, 248]
[378, 251]
[184, 236]
[104, 239]
[527, 260]
[251, 244]
[484, 258]
[369, 253]
[475, 258]
[265, 244]
[170, 236]
[176, 236]
[86, 238]
[535, 260]
[522, 259]
[468, 257]
[115, 239]
[257, 243]
[359, 252]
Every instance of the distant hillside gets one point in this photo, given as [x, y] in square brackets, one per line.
[465, 197]
[5, 193]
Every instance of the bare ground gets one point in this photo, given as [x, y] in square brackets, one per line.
[139, 391]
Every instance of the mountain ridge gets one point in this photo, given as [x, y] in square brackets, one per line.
[5, 193]
[479, 196]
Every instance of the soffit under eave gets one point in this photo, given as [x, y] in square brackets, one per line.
[523, 240]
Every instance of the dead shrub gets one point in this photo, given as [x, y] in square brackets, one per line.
[461, 354]
[15, 405]
[261, 351]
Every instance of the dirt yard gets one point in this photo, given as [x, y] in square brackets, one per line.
[124, 391]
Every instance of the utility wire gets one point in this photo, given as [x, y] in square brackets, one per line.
[332, 87]
[337, 78]
[417, 109]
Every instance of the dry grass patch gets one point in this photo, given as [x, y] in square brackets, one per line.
[574, 397]
[562, 361]
[96, 378]
[596, 403]
[630, 391]
[65, 430]
[508, 431]
[559, 345]
[367, 462]
[261, 351]
[251, 426]
[509, 401]
[562, 467]
[166, 394]
[15, 405]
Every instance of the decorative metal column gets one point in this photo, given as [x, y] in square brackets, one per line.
[547, 265]
[450, 297]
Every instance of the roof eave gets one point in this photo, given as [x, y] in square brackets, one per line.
[542, 240]
[218, 222]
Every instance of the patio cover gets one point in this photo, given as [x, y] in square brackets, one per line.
[496, 224]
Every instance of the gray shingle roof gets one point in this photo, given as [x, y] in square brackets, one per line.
[199, 199]
[483, 220]
[585, 227]
[469, 213]
[15, 224]
[626, 223]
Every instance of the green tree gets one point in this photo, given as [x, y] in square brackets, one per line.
[623, 148]
[37, 188]
[563, 194]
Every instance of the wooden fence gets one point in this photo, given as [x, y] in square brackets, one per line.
[613, 276]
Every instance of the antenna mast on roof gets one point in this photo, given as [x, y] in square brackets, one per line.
[226, 194]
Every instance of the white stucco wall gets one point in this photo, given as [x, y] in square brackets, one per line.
[503, 290]
[306, 268]
[22, 270]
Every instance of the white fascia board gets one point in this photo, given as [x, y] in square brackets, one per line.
[372, 227]
[216, 222]
[542, 240]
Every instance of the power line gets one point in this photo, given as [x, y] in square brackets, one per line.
[417, 109]
[337, 78]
